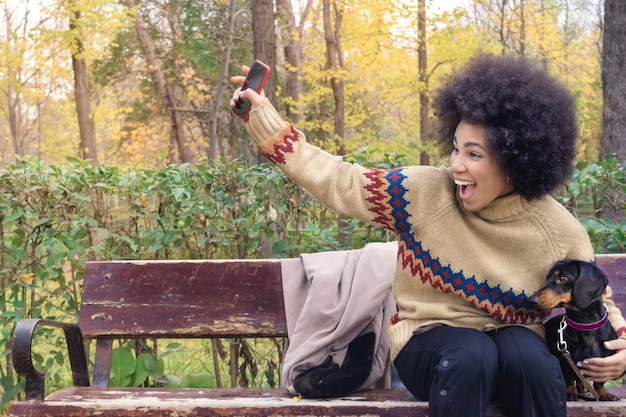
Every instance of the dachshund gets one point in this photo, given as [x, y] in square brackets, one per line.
[578, 287]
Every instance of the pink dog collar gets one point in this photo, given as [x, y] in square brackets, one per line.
[587, 327]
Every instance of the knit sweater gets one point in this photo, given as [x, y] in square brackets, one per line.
[454, 267]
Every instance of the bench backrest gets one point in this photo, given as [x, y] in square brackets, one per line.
[208, 298]
[193, 299]
[205, 298]
[614, 266]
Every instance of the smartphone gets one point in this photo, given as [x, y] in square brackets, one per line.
[256, 80]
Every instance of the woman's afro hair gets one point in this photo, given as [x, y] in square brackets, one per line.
[529, 117]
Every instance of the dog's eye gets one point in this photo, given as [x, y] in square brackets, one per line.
[562, 279]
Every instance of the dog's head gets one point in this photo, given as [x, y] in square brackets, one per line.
[571, 284]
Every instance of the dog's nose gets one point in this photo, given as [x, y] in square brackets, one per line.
[533, 301]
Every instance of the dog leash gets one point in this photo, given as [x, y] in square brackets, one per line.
[561, 345]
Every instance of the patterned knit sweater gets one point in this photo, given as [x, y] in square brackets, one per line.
[454, 267]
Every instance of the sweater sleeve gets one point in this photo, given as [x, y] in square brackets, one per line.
[348, 188]
[615, 315]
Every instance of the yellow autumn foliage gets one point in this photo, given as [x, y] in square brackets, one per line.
[378, 40]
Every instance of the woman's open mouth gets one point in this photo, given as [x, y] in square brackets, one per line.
[466, 188]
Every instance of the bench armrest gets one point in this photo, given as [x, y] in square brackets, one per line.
[23, 355]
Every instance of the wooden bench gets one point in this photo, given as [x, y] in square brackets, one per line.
[204, 299]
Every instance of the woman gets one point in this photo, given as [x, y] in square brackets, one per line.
[475, 239]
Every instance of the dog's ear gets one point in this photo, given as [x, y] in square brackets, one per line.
[589, 285]
[558, 266]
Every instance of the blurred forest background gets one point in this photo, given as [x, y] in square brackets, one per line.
[146, 82]
[117, 141]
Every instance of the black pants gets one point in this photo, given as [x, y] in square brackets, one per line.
[460, 371]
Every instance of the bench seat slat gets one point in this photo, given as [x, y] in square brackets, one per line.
[135, 402]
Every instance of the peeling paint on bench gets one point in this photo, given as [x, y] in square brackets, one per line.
[204, 299]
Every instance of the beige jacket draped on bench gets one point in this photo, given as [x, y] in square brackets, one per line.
[333, 297]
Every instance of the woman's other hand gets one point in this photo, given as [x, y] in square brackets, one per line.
[607, 368]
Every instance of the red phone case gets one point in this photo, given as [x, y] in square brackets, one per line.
[259, 72]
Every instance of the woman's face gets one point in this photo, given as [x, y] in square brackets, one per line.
[479, 178]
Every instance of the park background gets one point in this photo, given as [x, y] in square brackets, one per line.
[117, 140]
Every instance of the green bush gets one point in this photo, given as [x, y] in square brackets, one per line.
[593, 189]
[55, 218]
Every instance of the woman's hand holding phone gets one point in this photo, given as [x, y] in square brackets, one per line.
[250, 95]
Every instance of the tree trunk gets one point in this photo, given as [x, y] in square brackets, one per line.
[293, 57]
[334, 57]
[13, 101]
[614, 92]
[224, 77]
[522, 29]
[423, 78]
[332, 33]
[86, 125]
[613, 81]
[158, 77]
[264, 45]
[264, 31]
